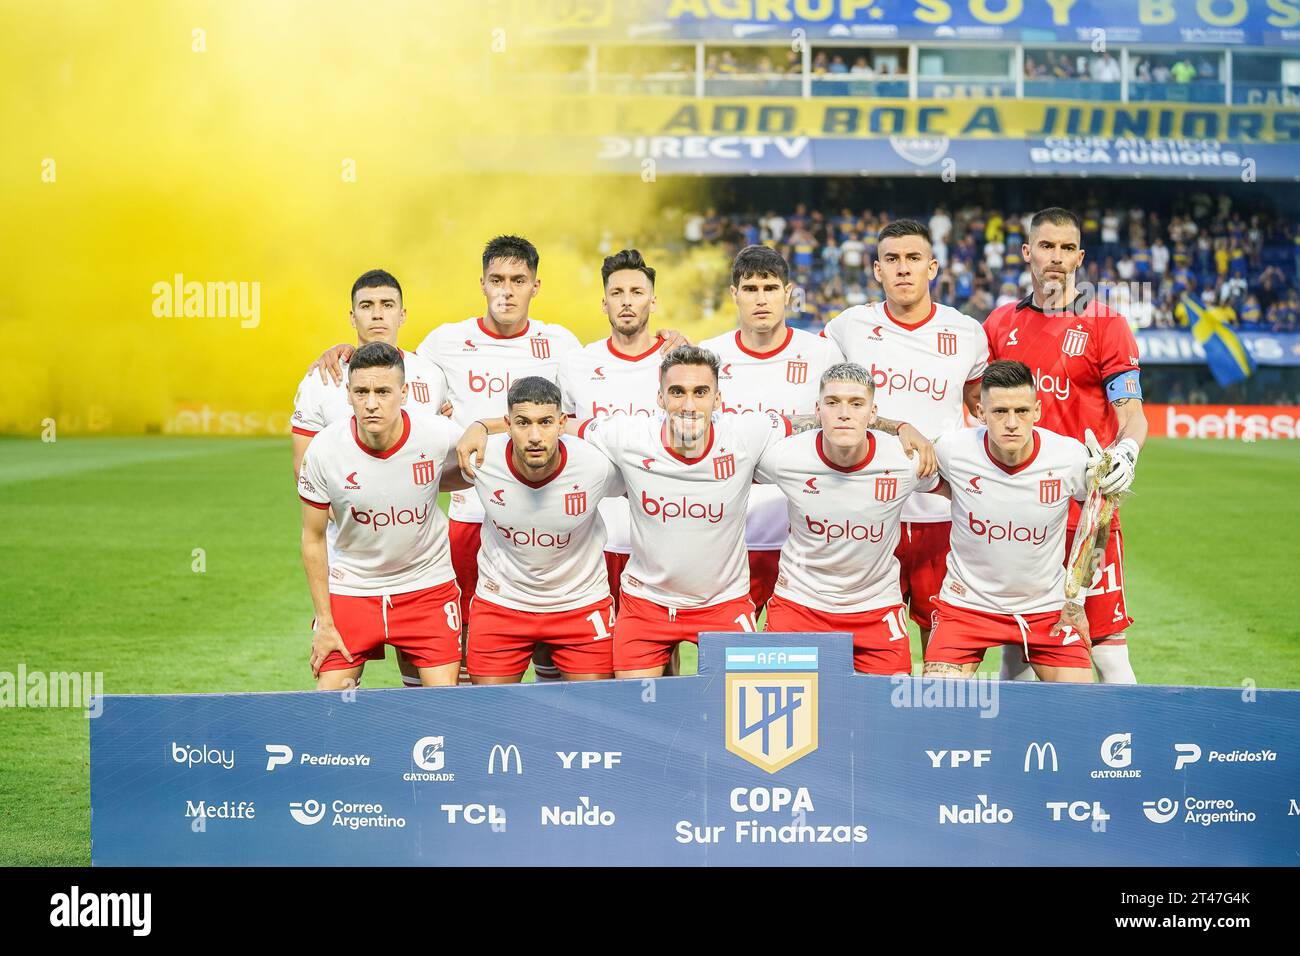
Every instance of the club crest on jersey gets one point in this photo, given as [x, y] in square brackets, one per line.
[420, 392]
[575, 503]
[541, 348]
[886, 489]
[1130, 386]
[947, 342]
[771, 704]
[1049, 490]
[796, 373]
[1075, 341]
[422, 472]
[724, 466]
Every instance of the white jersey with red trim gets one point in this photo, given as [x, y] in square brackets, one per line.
[1008, 524]
[318, 404]
[844, 521]
[392, 536]
[598, 380]
[920, 372]
[688, 515]
[784, 380]
[480, 366]
[543, 544]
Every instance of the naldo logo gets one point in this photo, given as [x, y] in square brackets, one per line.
[1117, 755]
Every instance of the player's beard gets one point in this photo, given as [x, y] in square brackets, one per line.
[686, 430]
[630, 331]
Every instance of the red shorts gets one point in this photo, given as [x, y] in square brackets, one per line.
[763, 568]
[1104, 604]
[502, 639]
[646, 633]
[424, 624]
[922, 554]
[961, 636]
[614, 565]
[880, 641]
[465, 539]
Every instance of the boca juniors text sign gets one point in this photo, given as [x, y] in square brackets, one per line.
[776, 754]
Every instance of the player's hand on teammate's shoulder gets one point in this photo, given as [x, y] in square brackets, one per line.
[446, 409]
[328, 366]
[912, 440]
[471, 448]
[672, 339]
[325, 641]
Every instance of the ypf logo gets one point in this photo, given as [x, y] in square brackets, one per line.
[771, 718]
[307, 812]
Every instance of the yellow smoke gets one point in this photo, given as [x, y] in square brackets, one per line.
[291, 145]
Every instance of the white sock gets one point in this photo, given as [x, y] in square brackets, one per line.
[1111, 661]
[1014, 665]
[464, 675]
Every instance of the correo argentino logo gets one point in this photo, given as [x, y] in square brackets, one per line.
[771, 704]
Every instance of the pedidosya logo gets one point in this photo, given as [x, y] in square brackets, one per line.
[771, 704]
[428, 754]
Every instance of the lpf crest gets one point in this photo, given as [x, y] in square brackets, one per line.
[771, 704]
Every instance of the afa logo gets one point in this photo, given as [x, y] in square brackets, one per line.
[771, 704]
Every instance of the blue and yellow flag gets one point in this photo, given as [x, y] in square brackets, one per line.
[1228, 359]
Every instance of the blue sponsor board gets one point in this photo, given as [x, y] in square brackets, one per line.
[1180, 22]
[941, 156]
[777, 753]
[1179, 347]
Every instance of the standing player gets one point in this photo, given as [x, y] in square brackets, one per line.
[688, 473]
[377, 314]
[388, 579]
[766, 366]
[1085, 365]
[618, 375]
[542, 576]
[926, 360]
[846, 488]
[1011, 485]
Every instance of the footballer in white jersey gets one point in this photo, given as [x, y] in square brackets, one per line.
[542, 576]
[926, 360]
[1011, 484]
[766, 366]
[844, 487]
[377, 314]
[389, 578]
[618, 375]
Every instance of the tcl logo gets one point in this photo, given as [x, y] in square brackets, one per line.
[532, 538]
[844, 530]
[667, 511]
[1078, 810]
[475, 813]
[1009, 531]
[378, 520]
[489, 383]
[906, 380]
[1058, 386]
[958, 758]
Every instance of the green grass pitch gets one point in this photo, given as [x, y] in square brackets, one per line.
[97, 574]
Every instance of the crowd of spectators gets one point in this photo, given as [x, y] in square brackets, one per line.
[1105, 68]
[1144, 260]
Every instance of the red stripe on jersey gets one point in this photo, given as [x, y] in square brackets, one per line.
[933, 308]
[406, 433]
[315, 504]
[871, 452]
[521, 478]
[302, 431]
[789, 334]
[659, 342]
[497, 335]
[1013, 469]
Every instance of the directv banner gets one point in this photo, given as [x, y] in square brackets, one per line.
[777, 754]
[1179, 347]
[1216, 22]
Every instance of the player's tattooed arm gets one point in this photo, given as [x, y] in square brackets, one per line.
[1073, 616]
[942, 669]
[911, 439]
[802, 423]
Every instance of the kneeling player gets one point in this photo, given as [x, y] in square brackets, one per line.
[389, 579]
[1011, 485]
[541, 565]
[845, 488]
